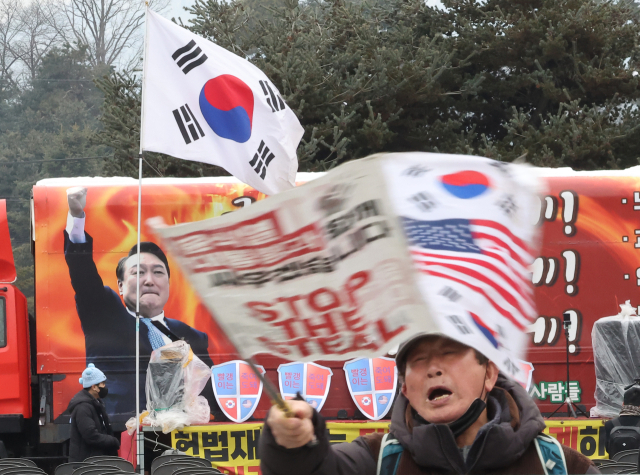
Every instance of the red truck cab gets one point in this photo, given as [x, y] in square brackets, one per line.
[15, 358]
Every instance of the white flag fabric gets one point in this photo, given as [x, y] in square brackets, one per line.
[201, 102]
[353, 263]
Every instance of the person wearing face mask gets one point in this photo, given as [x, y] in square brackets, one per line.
[456, 414]
[91, 432]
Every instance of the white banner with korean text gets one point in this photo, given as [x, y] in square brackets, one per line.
[353, 263]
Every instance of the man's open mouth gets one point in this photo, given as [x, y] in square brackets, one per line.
[439, 393]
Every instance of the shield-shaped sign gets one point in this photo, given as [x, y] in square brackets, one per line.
[372, 384]
[311, 380]
[237, 389]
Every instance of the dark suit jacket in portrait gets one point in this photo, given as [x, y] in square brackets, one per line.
[110, 334]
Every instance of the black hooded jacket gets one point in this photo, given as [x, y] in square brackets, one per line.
[91, 432]
[503, 446]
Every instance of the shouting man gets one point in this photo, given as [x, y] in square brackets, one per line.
[456, 414]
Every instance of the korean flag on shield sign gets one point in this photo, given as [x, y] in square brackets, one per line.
[201, 102]
[237, 389]
[372, 384]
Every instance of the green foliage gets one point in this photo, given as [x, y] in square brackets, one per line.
[559, 80]
[554, 80]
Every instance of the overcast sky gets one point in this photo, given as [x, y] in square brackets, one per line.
[177, 10]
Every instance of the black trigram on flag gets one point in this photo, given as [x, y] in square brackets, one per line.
[187, 53]
[186, 120]
[416, 171]
[276, 102]
[423, 201]
[261, 160]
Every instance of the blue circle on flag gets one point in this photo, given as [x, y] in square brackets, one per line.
[465, 184]
[226, 102]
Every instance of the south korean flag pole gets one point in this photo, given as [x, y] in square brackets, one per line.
[138, 422]
[201, 102]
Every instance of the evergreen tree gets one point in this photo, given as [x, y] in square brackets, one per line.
[553, 80]
[40, 129]
[559, 80]
[362, 78]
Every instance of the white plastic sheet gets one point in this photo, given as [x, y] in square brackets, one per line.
[615, 341]
[175, 379]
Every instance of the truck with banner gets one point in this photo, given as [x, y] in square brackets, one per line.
[588, 265]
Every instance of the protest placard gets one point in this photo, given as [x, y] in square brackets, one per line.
[353, 263]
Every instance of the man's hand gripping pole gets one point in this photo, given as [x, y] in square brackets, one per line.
[274, 395]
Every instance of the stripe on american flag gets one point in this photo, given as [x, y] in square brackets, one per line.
[481, 255]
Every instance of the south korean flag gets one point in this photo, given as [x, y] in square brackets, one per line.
[200, 102]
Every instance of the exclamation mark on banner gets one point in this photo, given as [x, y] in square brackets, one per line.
[574, 330]
[571, 270]
[569, 211]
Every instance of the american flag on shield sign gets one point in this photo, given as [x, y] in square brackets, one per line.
[372, 383]
[309, 380]
[237, 389]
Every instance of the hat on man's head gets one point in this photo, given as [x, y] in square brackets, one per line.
[92, 375]
[406, 346]
[632, 397]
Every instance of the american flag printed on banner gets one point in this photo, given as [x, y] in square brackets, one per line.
[469, 225]
[482, 255]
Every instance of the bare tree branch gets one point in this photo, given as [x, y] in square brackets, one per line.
[10, 25]
[37, 36]
[109, 28]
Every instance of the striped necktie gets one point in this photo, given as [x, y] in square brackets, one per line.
[155, 336]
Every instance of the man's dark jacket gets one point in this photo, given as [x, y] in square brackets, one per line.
[91, 432]
[503, 446]
[110, 334]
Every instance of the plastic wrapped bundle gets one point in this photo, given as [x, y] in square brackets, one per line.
[616, 359]
[175, 379]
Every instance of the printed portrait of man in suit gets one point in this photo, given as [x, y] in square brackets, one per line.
[108, 318]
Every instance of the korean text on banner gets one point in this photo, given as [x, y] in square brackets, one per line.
[201, 102]
[324, 271]
[233, 448]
